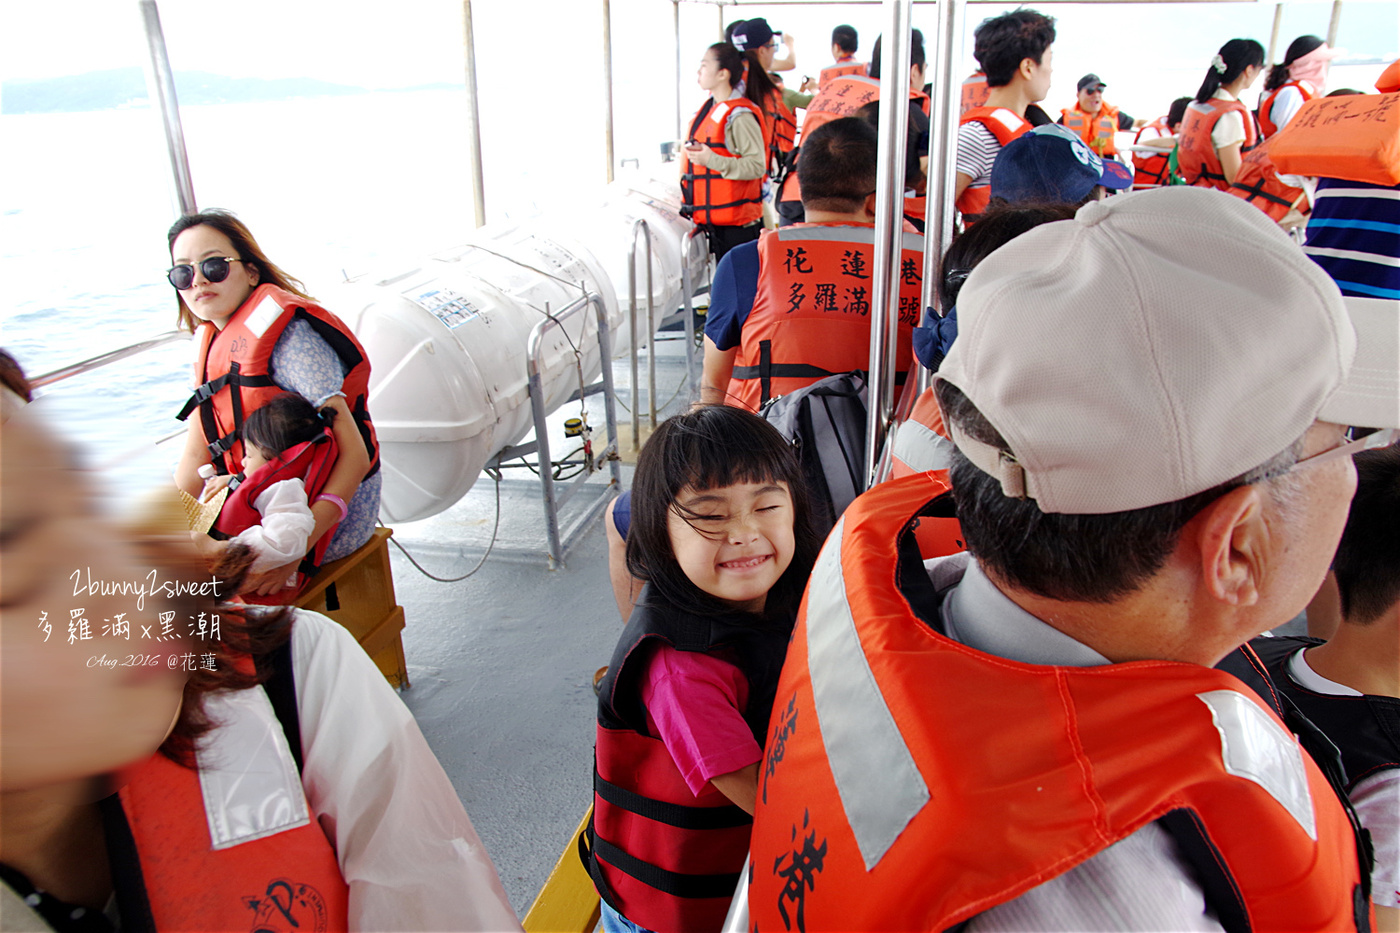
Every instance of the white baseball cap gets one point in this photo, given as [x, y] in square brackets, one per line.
[1157, 345]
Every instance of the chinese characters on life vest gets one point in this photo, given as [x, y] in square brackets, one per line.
[850, 294]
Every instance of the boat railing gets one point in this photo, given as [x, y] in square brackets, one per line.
[97, 362]
[641, 226]
[561, 542]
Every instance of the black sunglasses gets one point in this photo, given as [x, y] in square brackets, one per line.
[215, 269]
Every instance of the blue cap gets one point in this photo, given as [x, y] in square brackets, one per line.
[1051, 163]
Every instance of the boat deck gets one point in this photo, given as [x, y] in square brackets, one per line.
[502, 663]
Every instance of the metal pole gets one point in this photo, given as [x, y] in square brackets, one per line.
[719, 8]
[1335, 24]
[608, 86]
[680, 114]
[609, 390]
[651, 337]
[1273, 35]
[160, 82]
[943, 148]
[632, 350]
[473, 117]
[889, 197]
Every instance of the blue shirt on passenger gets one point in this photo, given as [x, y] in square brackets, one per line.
[732, 295]
[1353, 234]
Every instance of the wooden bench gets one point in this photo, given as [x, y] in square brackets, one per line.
[358, 592]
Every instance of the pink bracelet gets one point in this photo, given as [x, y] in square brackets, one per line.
[337, 502]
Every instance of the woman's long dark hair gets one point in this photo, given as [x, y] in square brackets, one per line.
[243, 243]
[710, 448]
[1237, 54]
[1278, 74]
[745, 67]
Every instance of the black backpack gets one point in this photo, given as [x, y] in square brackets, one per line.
[826, 423]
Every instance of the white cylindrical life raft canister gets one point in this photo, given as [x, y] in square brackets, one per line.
[448, 342]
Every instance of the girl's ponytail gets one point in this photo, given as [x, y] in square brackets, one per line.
[1279, 74]
[1229, 63]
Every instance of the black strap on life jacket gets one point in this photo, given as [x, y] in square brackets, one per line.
[1256, 190]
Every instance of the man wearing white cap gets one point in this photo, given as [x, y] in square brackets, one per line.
[1149, 403]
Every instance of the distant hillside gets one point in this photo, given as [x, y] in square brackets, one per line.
[126, 87]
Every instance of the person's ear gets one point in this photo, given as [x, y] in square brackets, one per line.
[1234, 545]
[870, 205]
[1027, 68]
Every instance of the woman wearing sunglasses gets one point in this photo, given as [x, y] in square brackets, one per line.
[259, 334]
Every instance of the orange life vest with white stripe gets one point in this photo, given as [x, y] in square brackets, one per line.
[280, 878]
[911, 782]
[921, 441]
[974, 91]
[1195, 153]
[1267, 127]
[232, 369]
[1258, 183]
[710, 198]
[782, 122]
[1005, 126]
[811, 313]
[1152, 171]
[1096, 129]
[844, 66]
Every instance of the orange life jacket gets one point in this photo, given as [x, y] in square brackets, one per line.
[1259, 184]
[974, 91]
[783, 122]
[288, 880]
[921, 442]
[1005, 126]
[911, 782]
[1196, 157]
[1266, 106]
[1354, 138]
[811, 313]
[841, 97]
[1152, 171]
[1095, 129]
[915, 211]
[843, 66]
[710, 198]
[232, 370]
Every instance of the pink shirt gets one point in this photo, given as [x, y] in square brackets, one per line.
[694, 703]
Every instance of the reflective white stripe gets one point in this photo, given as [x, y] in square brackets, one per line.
[263, 316]
[1255, 747]
[1007, 119]
[1390, 193]
[1358, 255]
[879, 783]
[913, 241]
[920, 448]
[250, 781]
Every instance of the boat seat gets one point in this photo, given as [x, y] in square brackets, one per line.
[358, 592]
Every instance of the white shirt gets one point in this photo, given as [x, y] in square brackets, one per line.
[1138, 883]
[406, 847]
[1229, 129]
[282, 535]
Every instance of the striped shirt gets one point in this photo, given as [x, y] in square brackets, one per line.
[977, 150]
[1354, 235]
